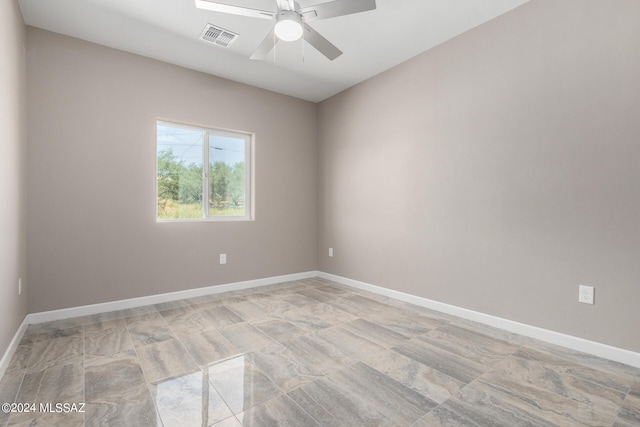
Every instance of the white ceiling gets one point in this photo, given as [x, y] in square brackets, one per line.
[169, 30]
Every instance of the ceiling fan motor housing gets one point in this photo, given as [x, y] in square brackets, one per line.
[288, 25]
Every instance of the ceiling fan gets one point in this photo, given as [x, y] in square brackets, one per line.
[291, 21]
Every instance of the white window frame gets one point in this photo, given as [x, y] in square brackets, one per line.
[249, 139]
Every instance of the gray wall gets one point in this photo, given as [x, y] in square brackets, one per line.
[498, 171]
[92, 235]
[13, 308]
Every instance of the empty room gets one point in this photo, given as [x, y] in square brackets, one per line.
[320, 213]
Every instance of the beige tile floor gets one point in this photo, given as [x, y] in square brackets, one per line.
[306, 353]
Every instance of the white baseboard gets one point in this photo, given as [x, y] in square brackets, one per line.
[13, 346]
[580, 344]
[85, 310]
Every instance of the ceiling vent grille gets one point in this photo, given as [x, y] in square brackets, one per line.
[218, 36]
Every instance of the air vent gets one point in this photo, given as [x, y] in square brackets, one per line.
[218, 36]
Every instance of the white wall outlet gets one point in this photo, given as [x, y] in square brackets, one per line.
[223, 258]
[330, 252]
[20, 286]
[586, 294]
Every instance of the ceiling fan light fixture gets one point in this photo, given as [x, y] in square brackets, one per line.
[288, 26]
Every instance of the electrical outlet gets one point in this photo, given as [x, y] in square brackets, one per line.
[586, 294]
[20, 286]
[223, 258]
[330, 252]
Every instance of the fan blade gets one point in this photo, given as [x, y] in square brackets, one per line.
[265, 47]
[286, 5]
[323, 45]
[336, 8]
[234, 10]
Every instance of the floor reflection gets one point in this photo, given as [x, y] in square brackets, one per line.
[189, 400]
[215, 393]
[240, 383]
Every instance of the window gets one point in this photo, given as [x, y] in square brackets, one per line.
[203, 173]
